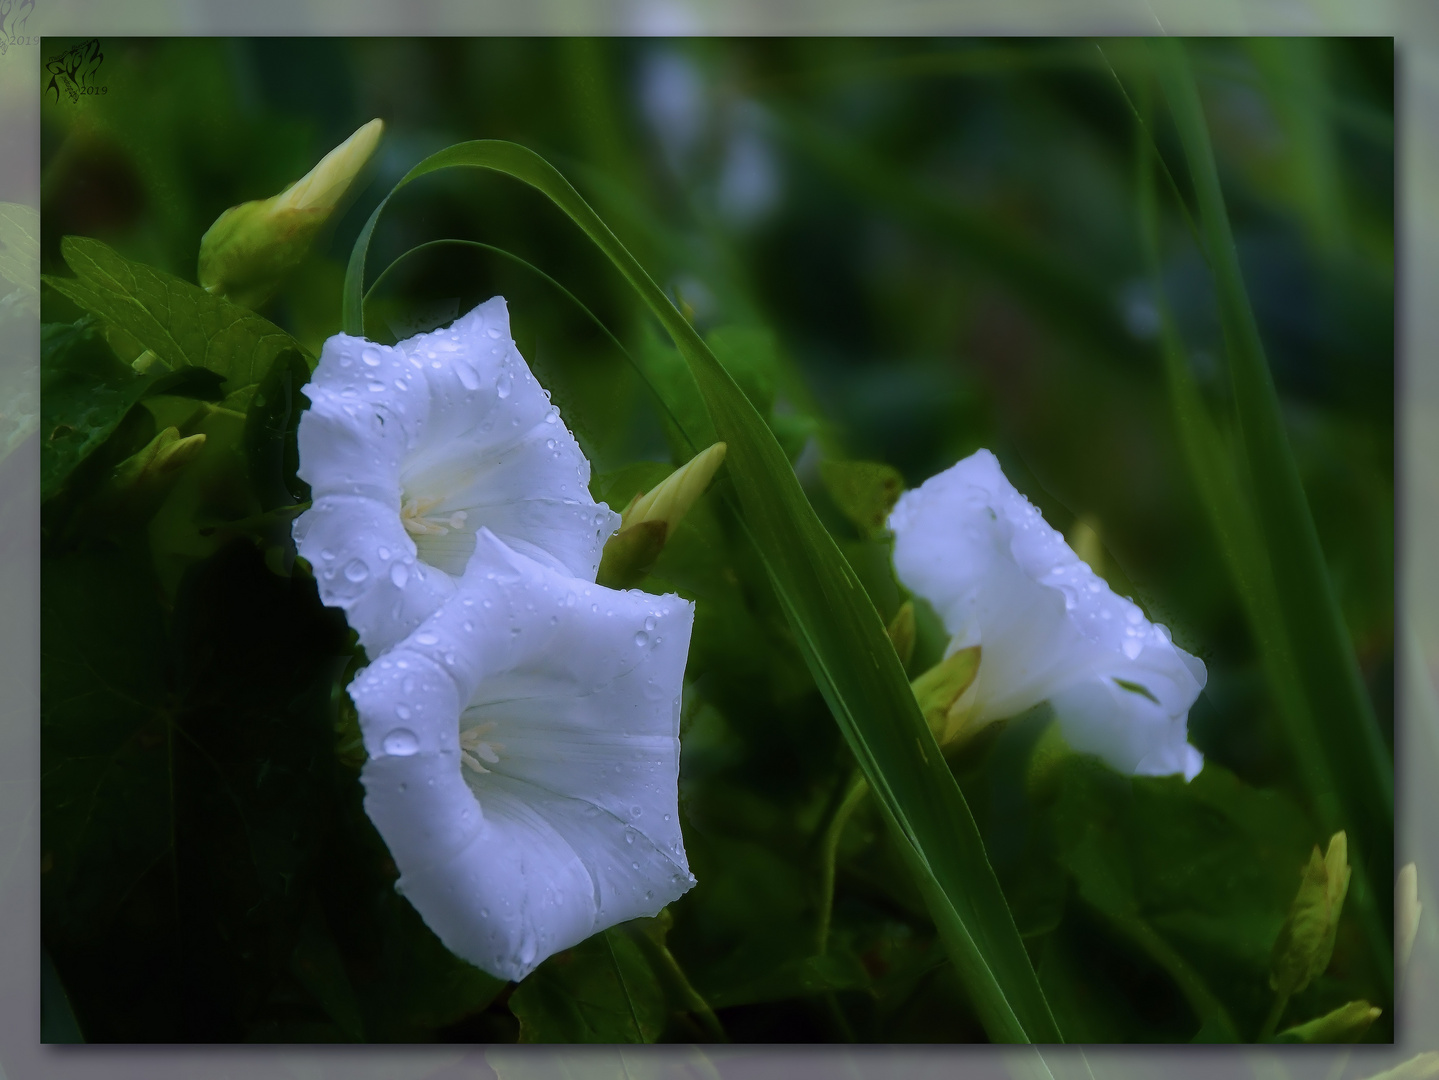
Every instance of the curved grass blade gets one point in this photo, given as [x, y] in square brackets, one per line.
[840, 634]
[1353, 787]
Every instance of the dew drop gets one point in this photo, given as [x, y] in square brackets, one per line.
[356, 570]
[468, 379]
[399, 574]
[629, 838]
[549, 444]
[383, 552]
[503, 386]
[642, 639]
[402, 742]
[377, 388]
[1132, 647]
[427, 638]
[402, 711]
[649, 622]
[327, 555]
[371, 357]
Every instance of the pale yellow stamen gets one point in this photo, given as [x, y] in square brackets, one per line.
[474, 747]
[414, 515]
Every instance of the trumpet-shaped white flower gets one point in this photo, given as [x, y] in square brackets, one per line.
[524, 756]
[410, 449]
[1048, 627]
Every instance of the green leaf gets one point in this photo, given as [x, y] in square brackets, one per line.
[1350, 777]
[1306, 940]
[839, 631]
[601, 991]
[1196, 876]
[181, 323]
[865, 491]
[272, 423]
[184, 804]
[57, 1019]
[317, 964]
[84, 393]
[1346, 1024]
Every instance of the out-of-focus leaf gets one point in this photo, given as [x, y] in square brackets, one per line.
[182, 323]
[865, 491]
[1194, 875]
[20, 250]
[272, 451]
[601, 991]
[317, 964]
[57, 1019]
[1354, 790]
[185, 802]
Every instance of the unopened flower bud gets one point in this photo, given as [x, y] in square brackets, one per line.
[251, 247]
[939, 690]
[1406, 914]
[901, 633]
[1306, 940]
[651, 516]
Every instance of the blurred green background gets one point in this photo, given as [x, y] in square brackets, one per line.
[914, 249]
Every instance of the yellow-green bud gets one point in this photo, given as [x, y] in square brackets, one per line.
[901, 633]
[1345, 1024]
[938, 692]
[651, 516]
[1306, 940]
[251, 247]
[1407, 909]
[671, 498]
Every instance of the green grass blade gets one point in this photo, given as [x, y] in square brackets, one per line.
[840, 633]
[1341, 717]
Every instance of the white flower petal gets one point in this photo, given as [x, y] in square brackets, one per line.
[366, 563]
[1048, 626]
[568, 696]
[445, 433]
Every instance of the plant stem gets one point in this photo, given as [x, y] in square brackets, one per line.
[858, 788]
[1271, 1022]
[660, 957]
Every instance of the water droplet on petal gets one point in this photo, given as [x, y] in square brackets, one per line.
[649, 622]
[642, 639]
[427, 638]
[468, 379]
[399, 574]
[402, 711]
[402, 742]
[503, 386]
[371, 357]
[356, 570]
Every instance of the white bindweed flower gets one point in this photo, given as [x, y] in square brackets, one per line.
[524, 758]
[1048, 627]
[410, 449]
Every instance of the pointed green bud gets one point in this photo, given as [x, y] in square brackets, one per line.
[671, 498]
[1346, 1024]
[938, 692]
[901, 633]
[650, 517]
[1306, 940]
[138, 485]
[251, 247]
[1407, 909]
